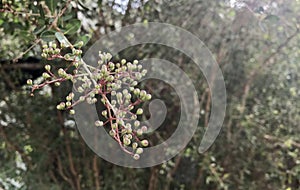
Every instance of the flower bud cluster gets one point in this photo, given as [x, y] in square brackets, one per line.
[50, 50]
[119, 80]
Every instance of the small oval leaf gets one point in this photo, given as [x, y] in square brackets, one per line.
[51, 5]
[38, 30]
[48, 36]
[72, 26]
[62, 39]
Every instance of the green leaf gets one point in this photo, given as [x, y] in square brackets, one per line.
[48, 36]
[85, 39]
[72, 26]
[38, 30]
[62, 39]
[41, 21]
[272, 18]
[51, 4]
[42, 14]
[67, 17]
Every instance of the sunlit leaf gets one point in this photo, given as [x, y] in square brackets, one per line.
[62, 39]
[72, 26]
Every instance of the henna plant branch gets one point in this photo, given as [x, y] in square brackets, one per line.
[116, 79]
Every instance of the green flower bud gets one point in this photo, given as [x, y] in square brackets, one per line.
[46, 75]
[126, 141]
[67, 56]
[138, 76]
[134, 83]
[129, 136]
[135, 62]
[76, 64]
[114, 126]
[139, 151]
[128, 125]
[144, 143]
[104, 113]
[123, 61]
[68, 98]
[148, 97]
[130, 107]
[50, 50]
[45, 46]
[44, 55]
[47, 67]
[136, 91]
[61, 106]
[143, 93]
[61, 72]
[100, 62]
[99, 123]
[139, 111]
[80, 44]
[112, 132]
[113, 102]
[128, 96]
[110, 78]
[62, 45]
[111, 65]
[68, 104]
[133, 67]
[129, 130]
[78, 52]
[124, 68]
[134, 145]
[29, 82]
[80, 89]
[136, 123]
[72, 112]
[72, 95]
[139, 132]
[57, 83]
[56, 51]
[108, 56]
[119, 95]
[54, 45]
[82, 98]
[94, 100]
[133, 117]
[69, 77]
[121, 122]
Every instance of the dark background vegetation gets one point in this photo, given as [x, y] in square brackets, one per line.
[256, 44]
